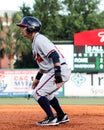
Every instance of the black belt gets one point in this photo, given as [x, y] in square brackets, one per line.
[63, 63]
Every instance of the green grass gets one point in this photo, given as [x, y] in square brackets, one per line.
[66, 101]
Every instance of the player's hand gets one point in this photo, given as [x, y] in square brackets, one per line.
[35, 83]
[59, 84]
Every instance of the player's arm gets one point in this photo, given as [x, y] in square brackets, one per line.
[55, 58]
[37, 78]
[39, 74]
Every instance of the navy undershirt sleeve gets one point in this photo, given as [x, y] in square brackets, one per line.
[55, 57]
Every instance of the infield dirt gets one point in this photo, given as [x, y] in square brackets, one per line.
[23, 117]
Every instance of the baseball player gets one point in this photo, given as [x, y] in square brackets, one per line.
[54, 67]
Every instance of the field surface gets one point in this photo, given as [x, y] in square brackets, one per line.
[21, 114]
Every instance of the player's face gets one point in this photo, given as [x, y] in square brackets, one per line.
[24, 31]
[26, 34]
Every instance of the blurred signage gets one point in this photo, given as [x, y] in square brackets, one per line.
[16, 82]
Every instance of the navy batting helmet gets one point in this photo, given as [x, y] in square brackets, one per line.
[32, 24]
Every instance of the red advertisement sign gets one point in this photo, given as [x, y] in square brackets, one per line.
[89, 38]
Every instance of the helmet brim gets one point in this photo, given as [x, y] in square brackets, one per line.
[21, 25]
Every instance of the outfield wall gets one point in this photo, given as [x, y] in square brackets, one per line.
[85, 85]
[16, 83]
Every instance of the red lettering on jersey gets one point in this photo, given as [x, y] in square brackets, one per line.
[38, 58]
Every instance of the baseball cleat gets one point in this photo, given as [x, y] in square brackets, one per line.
[49, 121]
[63, 118]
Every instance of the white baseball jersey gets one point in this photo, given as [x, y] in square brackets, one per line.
[42, 47]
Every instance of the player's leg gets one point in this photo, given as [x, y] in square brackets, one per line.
[61, 116]
[40, 95]
[45, 105]
[50, 118]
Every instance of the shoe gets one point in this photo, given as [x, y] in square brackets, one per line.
[49, 121]
[63, 118]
